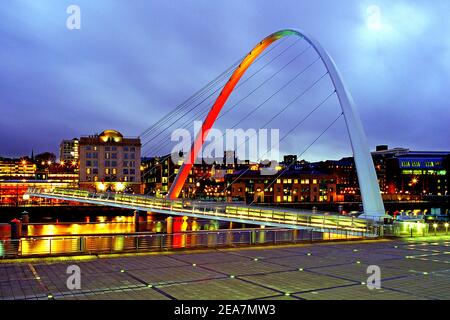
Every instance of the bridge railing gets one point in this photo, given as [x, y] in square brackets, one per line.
[121, 243]
[256, 215]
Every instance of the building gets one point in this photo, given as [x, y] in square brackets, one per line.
[17, 169]
[17, 175]
[110, 162]
[292, 186]
[69, 150]
[412, 175]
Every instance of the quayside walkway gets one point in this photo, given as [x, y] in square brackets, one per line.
[410, 269]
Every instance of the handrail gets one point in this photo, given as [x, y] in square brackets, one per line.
[256, 215]
[97, 244]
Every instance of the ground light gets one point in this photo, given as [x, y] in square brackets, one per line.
[435, 227]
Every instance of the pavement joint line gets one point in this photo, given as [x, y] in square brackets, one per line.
[248, 275]
[39, 280]
[266, 258]
[328, 288]
[332, 276]
[153, 287]
[278, 296]
[245, 280]
[94, 292]
[260, 285]
[282, 265]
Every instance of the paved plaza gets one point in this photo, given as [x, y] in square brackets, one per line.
[410, 269]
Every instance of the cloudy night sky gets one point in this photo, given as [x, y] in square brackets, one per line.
[133, 61]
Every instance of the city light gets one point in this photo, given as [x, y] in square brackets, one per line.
[120, 186]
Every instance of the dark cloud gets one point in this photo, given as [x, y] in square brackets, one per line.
[134, 61]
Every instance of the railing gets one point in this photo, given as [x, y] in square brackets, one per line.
[122, 243]
[246, 214]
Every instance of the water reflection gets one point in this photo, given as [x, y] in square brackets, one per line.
[118, 225]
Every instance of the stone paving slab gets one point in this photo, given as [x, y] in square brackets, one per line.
[312, 261]
[415, 265]
[269, 253]
[356, 292]
[145, 262]
[207, 257]
[430, 286]
[330, 271]
[357, 272]
[22, 289]
[127, 294]
[221, 289]
[247, 267]
[14, 272]
[174, 275]
[296, 281]
[57, 282]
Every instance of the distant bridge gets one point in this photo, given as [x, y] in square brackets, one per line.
[270, 217]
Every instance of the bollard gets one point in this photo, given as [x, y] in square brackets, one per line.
[136, 220]
[16, 229]
[25, 220]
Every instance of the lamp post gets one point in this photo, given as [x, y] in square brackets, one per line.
[446, 228]
[435, 227]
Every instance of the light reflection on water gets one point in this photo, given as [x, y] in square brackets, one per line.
[117, 225]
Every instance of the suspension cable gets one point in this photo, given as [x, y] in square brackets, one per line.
[162, 142]
[303, 152]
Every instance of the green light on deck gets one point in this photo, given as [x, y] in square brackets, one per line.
[122, 270]
[300, 269]
[194, 264]
[149, 286]
[358, 262]
[232, 276]
[256, 259]
[425, 273]
[50, 296]
[308, 254]
[287, 294]
[355, 250]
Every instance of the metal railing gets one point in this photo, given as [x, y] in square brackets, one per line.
[122, 243]
[246, 214]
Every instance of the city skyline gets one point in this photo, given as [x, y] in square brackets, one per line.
[95, 78]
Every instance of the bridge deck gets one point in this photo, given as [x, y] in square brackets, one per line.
[273, 217]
